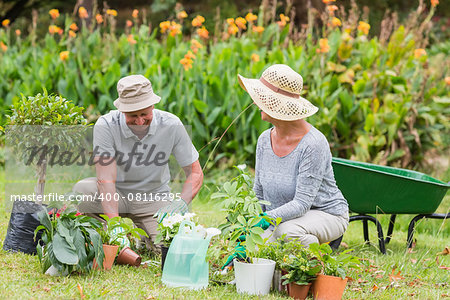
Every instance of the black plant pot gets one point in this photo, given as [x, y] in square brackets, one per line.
[164, 251]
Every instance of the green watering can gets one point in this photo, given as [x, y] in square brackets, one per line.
[186, 264]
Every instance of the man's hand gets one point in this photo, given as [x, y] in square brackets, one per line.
[176, 207]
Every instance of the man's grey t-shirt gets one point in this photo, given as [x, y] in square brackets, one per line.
[299, 181]
[142, 164]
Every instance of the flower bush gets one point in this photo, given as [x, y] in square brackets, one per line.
[337, 264]
[170, 225]
[301, 268]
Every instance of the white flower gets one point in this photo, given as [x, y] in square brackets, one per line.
[186, 230]
[211, 231]
[177, 218]
[242, 167]
[167, 222]
[189, 216]
[200, 230]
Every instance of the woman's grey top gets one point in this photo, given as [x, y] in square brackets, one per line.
[299, 181]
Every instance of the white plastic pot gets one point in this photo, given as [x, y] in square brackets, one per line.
[255, 278]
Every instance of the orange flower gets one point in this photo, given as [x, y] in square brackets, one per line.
[99, 18]
[363, 27]
[230, 21]
[251, 17]
[258, 29]
[240, 22]
[54, 13]
[5, 22]
[18, 32]
[324, 47]
[335, 22]
[129, 23]
[164, 26]
[174, 28]
[52, 29]
[73, 27]
[198, 21]
[187, 63]
[182, 15]
[60, 31]
[131, 40]
[434, 3]
[283, 20]
[447, 80]
[64, 55]
[135, 13]
[202, 32]
[328, 1]
[82, 13]
[255, 57]
[111, 12]
[189, 55]
[233, 29]
[419, 52]
[72, 34]
[195, 45]
[331, 9]
[3, 46]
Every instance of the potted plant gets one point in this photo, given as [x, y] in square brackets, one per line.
[301, 268]
[167, 230]
[331, 281]
[254, 275]
[279, 251]
[70, 241]
[114, 235]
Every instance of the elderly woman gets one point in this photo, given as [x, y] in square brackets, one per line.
[293, 161]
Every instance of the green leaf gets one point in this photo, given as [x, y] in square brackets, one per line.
[200, 106]
[241, 220]
[63, 252]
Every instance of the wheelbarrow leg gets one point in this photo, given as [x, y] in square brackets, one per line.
[366, 231]
[417, 218]
[390, 229]
[366, 218]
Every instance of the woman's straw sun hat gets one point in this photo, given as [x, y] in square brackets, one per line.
[277, 93]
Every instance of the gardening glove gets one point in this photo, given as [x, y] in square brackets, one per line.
[239, 253]
[123, 241]
[263, 223]
[176, 207]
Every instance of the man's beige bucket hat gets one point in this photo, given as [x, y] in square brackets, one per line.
[277, 93]
[135, 93]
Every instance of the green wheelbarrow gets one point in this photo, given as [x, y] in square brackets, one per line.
[374, 189]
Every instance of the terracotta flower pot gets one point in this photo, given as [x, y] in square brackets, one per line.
[328, 287]
[298, 291]
[128, 257]
[110, 255]
[164, 251]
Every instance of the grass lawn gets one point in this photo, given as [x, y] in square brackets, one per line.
[398, 275]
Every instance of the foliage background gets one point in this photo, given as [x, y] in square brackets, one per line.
[379, 101]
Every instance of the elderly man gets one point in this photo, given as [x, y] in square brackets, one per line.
[132, 146]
